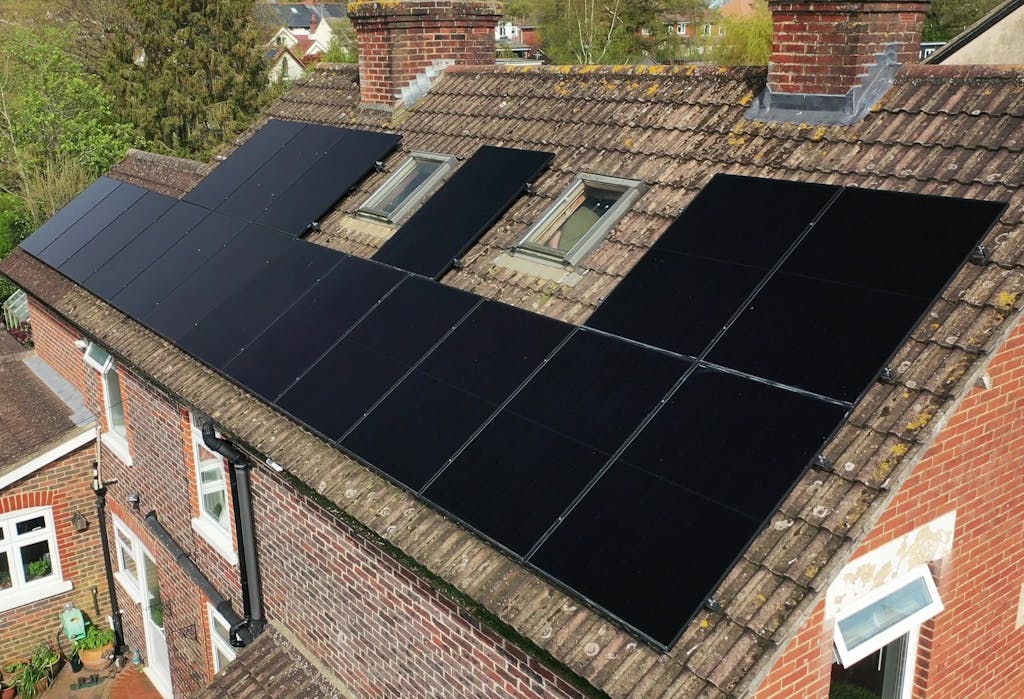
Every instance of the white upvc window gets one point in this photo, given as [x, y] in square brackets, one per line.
[127, 548]
[410, 183]
[116, 436]
[220, 639]
[580, 218]
[705, 30]
[214, 520]
[29, 559]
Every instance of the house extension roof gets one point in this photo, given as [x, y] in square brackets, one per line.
[38, 407]
[993, 17]
[946, 130]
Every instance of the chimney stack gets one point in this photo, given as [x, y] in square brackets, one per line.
[836, 56]
[404, 44]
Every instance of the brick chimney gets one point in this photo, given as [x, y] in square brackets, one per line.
[404, 44]
[314, 23]
[838, 57]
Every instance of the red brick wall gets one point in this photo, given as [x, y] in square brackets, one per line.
[972, 648]
[379, 626]
[64, 485]
[825, 47]
[400, 40]
[55, 344]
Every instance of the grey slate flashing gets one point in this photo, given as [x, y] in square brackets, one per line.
[62, 388]
[804, 108]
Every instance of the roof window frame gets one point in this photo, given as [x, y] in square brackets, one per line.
[629, 192]
[370, 208]
[884, 636]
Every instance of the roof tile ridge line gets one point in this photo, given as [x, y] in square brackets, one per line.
[412, 368]
[522, 385]
[951, 113]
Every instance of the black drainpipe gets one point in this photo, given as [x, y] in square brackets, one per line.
[242, 493]
[220, 603]
[101, 509]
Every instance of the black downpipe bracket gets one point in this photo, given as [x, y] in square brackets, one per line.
[115, 608]
[241, 491]
[219, 602]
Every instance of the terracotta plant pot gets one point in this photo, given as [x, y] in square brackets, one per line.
[7, 693]
[96, 658]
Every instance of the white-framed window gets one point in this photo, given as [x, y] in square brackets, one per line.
[409, 184]
[220, 639]
[214, 520]
[721, 30]
[126, 547]
[29, 559]
[581, 217]
[705, 30]
[116, 436]
[876, 635]
[681, 28]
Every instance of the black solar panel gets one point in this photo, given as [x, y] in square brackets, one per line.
[514, 479]
[249, 255]
[327, 180]
[199, 244]
[118, 233]
[822, 337]
[241, 315]
[90, 224]
[145, 249]
[433, 418]
[462, 210]
[243, 163]
[685, 300]
[319, 318]
[281, 171]
[67, 216]
[868, 238]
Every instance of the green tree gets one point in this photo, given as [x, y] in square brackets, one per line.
[947, 18]
[190, 74]
[748, 38]
[58, 127]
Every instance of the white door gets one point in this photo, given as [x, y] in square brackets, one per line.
[158, 666]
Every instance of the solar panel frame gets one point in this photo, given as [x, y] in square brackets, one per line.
[71, 212]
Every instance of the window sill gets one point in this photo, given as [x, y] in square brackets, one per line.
[33, 593]
[118, 446]
[217, 538]
[540, 267]
[129, 585]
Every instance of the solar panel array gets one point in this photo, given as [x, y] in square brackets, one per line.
[630, 460]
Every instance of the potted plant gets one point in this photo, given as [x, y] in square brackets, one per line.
[30, 678]
[95, 649]
[8, 678]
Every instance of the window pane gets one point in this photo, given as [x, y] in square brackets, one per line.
[115, 402]
[97, 354]
[31, 525]
[211, 472]
[401, 189]
[221, 628]
[156, 603]
[885, 613]
[215, 504]
[126, 558]
[5, 572]
[3, 533]
[35, 560]
[595, 204]
[222, 659]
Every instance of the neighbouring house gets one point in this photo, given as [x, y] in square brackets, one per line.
[298, 28]
[50, 553]
[995, 39]
[284, 65]
[447, 483]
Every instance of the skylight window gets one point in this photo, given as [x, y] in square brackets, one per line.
[581, 217]
[410, 183]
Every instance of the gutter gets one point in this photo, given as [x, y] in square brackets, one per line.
[241, 493]
[239, 626]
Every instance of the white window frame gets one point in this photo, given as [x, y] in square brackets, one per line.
[107, 370]
[629, 192]
[370, 208]
[909, 624]
[217, 534]
[216, 641]
[705, 30]
[127, 579]
[22, 592]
